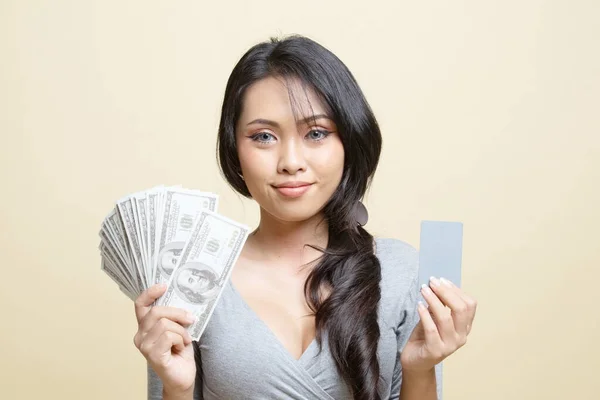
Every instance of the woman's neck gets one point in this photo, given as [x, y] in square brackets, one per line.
[285, 242]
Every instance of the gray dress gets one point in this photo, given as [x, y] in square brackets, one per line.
[241, 358]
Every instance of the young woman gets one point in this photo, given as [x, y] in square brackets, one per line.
[316, 307]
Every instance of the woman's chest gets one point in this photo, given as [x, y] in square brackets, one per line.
[278, 303]
[242, 358]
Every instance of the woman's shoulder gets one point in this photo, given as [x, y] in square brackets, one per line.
[399, 262]
[397, 257]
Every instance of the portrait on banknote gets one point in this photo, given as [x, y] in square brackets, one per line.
[196, 283]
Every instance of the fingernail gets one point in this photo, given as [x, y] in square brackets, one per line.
[446, 282]
[426, 289]
[191, 317]
[434, 281]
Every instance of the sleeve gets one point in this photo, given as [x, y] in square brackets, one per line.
[408, 319]
[155, 387]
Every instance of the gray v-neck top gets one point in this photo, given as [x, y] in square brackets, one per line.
[241, 358]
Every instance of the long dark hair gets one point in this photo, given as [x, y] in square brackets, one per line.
[348, 268]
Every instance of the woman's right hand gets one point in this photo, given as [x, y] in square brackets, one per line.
[165, 342]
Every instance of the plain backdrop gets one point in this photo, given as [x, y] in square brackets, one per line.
[490, 116]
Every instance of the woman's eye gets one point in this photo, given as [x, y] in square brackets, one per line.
[263, 137]
[317, 134]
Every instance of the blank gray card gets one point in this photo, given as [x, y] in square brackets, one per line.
[440, 255]
[440, 251]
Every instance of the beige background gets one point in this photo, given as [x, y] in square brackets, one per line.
[490, 116]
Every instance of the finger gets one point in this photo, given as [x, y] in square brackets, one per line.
[162, 347]
[179, 315]
[144, 301]
[432, 335]
[441, 315]
[448, 294]
[469, 301]
[164, 325]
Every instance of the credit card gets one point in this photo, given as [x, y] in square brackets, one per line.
[440, 255]
[440, 251]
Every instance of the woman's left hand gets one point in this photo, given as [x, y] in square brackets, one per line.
[443, 327]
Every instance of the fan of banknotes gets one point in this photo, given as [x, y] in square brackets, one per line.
[174, 236]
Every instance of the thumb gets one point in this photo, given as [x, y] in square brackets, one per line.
[144, 302]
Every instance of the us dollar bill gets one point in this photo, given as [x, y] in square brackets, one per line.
[152, 223]
[116, 278]
[115, 224]
[182, 208]
[127, 214]
[117, 267]
[205, 267]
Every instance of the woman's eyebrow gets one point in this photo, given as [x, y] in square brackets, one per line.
[274, 124]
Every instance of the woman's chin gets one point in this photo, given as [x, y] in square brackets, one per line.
[294, 214]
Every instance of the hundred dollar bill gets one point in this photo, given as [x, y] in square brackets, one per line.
[139, 208]
[181, 210]
[152, 224]
[110, 239]
[115, 224]
[155, 216]
[110, 272]
[205, 267]
[127, 215]
[117, 267]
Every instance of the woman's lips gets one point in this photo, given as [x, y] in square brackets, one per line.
[293, 192]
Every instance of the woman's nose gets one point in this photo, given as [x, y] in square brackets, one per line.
[292, 158]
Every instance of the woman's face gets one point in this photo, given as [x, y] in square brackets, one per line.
[291, 168]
